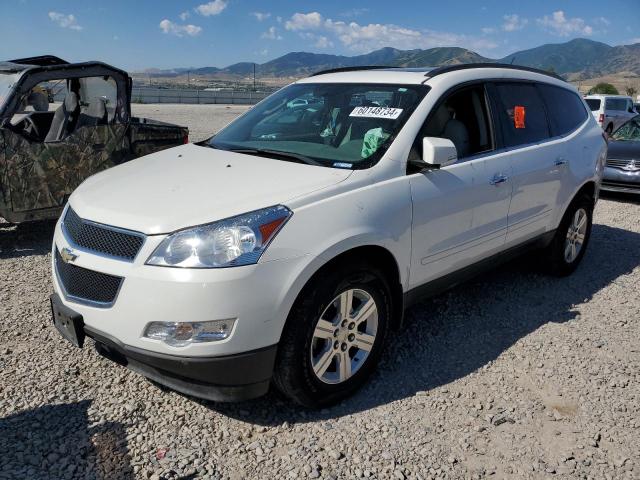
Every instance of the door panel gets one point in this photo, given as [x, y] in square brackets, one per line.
[537, 163]
[537, 181]
[43, 175]
[459, 217]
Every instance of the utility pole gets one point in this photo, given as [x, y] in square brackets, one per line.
[254, 76]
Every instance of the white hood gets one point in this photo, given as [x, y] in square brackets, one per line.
[191, 185]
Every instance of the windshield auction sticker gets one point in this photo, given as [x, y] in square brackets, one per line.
[376, 112]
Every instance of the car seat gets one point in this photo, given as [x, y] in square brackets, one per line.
[64, 120]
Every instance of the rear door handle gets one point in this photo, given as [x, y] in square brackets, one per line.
[560, 161]
[498, 179]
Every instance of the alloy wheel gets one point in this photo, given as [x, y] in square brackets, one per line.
[344, 336]
[575, 235]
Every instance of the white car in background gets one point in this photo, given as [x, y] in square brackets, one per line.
[611, 111]
[286, 248]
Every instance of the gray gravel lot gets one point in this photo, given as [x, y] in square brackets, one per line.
[202, 120]
[515, 374]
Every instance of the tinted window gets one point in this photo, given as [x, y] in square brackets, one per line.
[594, 104]
[565, 108]
[521, 114]
[616, 104]
[463, 118]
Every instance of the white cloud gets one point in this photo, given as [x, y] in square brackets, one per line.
[304, 21]
[168, 27]
[212, 8]
[513, 22]
[261, 16]
[488, 30]
[633, 41]
[365, 38]
[558, 24]
[184, 15]
[323, 42]
[271, 34]
[65, 21]
[354, 12]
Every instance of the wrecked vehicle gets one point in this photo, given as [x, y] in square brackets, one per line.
[62, 122]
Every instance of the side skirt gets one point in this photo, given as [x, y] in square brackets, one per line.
[450, 280]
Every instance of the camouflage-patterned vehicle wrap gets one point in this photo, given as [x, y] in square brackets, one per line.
[37, 177]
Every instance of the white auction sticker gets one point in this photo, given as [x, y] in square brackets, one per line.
[376, 112]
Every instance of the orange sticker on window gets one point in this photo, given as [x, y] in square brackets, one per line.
[518, 116]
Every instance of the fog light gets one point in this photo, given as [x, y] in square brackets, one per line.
[179, 334]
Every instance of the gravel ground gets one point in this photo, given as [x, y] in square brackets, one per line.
[513, 375]
[202, 120]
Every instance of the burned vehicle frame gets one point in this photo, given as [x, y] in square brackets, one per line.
[51, 141]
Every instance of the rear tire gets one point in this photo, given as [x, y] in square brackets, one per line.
[334, 336]
[570, 242]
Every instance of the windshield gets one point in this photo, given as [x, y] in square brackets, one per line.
[594, 104]
[6, 82]
[334, 125]
[628, 131]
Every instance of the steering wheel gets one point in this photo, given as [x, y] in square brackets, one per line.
[30, 127]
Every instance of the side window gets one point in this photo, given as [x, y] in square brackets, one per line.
[98, 97]
[463, 118]
[521, 114]
[34, 113]
[565, 108]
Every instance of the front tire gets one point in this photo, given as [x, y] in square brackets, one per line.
[334, 335]
[571, 239]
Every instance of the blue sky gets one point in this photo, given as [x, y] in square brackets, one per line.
[137, 34]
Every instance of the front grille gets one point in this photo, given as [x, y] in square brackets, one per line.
[617, 163]
[86, 285]
[102, 239]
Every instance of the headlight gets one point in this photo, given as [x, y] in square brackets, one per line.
[179, 334]
[232, 242]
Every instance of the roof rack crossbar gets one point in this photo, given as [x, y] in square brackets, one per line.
[507, 66]
[350, 69]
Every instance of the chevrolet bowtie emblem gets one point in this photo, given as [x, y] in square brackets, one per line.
[67, 255]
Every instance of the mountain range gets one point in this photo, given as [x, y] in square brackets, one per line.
[576, 59]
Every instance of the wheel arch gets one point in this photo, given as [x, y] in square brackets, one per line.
[376, 255]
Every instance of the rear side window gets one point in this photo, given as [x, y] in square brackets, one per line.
[565, 109]
[521, 114]
[594, 104]
[618, 104]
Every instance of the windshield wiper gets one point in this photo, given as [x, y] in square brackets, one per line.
[296, 157]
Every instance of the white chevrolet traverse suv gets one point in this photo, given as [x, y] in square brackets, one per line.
[284, 250]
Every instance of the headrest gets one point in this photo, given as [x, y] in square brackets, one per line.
[71, 102]
[38, 101]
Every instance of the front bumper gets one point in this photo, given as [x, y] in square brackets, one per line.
[618, 180]
[257, 296]
[222, 379]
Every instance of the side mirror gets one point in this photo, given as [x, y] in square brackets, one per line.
[438, 152]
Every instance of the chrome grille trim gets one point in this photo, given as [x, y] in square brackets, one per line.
[100, 239]
[617, 163]
[84, 286]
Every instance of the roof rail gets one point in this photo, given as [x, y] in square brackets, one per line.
[468, 66]
[41, 61]
[350, 69]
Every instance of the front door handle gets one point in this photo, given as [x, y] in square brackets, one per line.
[498, 179]
[560, 161]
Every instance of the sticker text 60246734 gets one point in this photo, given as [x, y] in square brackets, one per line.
[376, 112]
